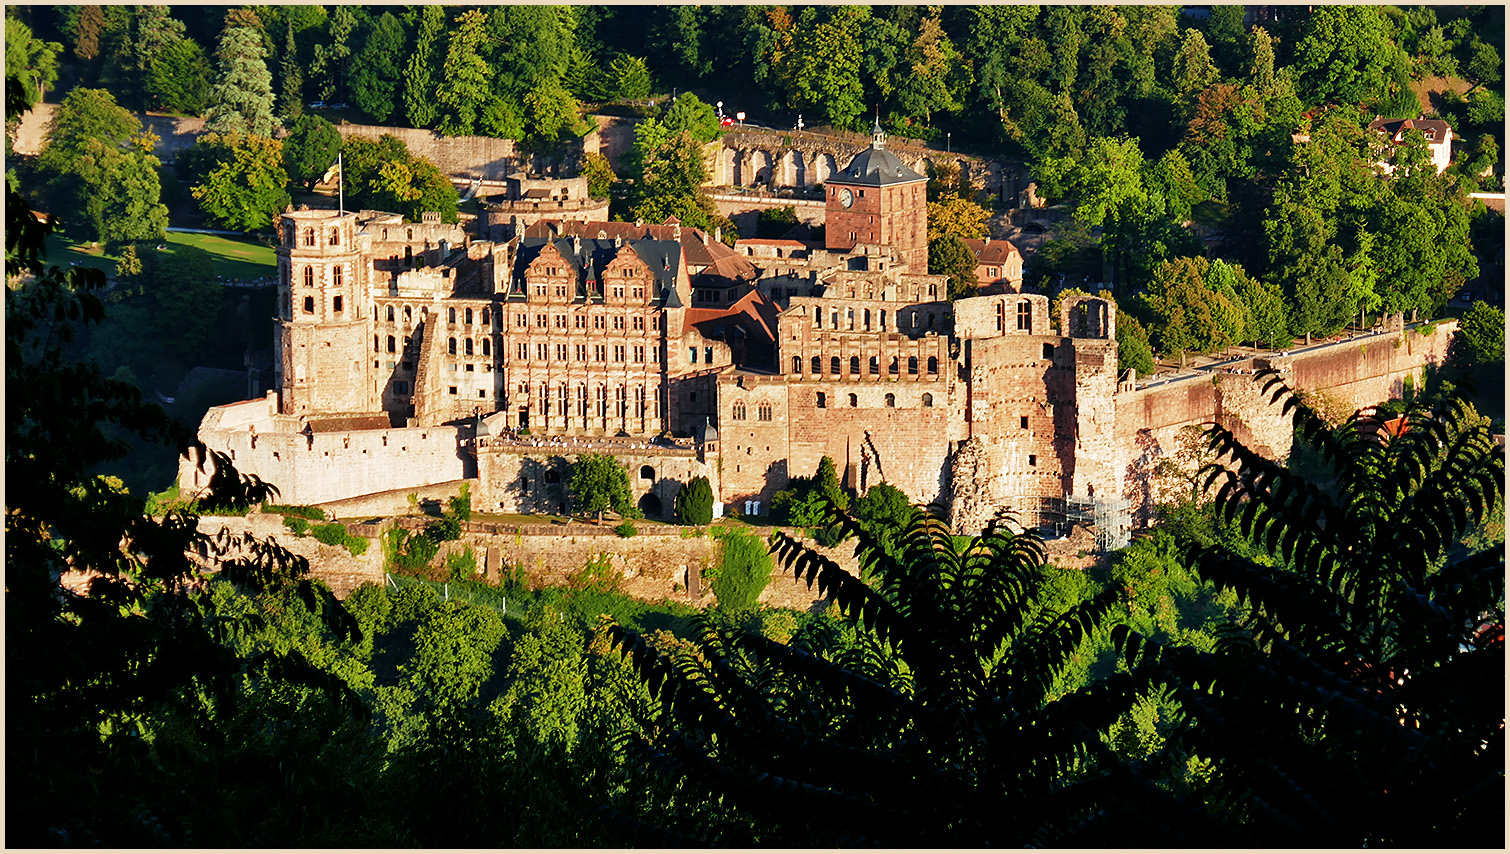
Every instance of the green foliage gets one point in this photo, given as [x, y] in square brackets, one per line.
[599, 174]
[241, 99]
[303, 511]
[298, 526]
[949, 256]
[408, 553]
[548, 690]
[596, 576]
[241, 181]
[694, 503]
[97, 168]
[773, 223]
[420, 103]
[1195, 307]
[805, 501]
[310, 149]
[31, 62]
[960, 217]
[1344, 55]
[1362, 634]
[598, 484]
[668, 173]
[742, 572]
[1133, 349]
[382, 175]
[463, 83]
[459, 506]
[461, 565]
[626, 529]
[885, 513]
[1480, 339]
[956, 656]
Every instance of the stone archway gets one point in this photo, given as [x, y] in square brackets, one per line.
[650, 504]
[761, 167]
[823, 167]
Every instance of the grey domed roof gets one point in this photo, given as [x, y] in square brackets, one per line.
[707, 433]
[875, 166]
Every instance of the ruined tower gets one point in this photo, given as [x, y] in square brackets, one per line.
[323, 324]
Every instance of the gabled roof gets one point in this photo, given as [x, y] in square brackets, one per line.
[587, 258]
[754, 313]
[700, 249]
[992, 252]
[1436, 131]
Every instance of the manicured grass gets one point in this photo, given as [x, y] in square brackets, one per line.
[235, 257]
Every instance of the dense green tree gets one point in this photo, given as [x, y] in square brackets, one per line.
[179, 78]
[1484, 66]
[1344, 55]
[310, 150]
[453, 654]
[694, 503]
[30, 61]
[668, 173]
[552, 116]
[1480, 339]
[328, 70]
[420, 105]
[936, 77]
[290, 79]
[464, 82]
[599, 174]
[818, 61]
[960, 217]
[376, 72]
[742, 572]
[116, 193]
[186, 298]
[949, 256]
[626, 77]
[885, 513]
[1134, 352]
[247, 187]
[1193, 309]
[690, 114]
[548, 693]
[241, 101]
[1268, 318]
[773, 223]
[85, 115]
[597, 484]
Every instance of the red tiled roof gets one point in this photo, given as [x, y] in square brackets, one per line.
[995, 252]
[1435, 130]
[769, 241]
[756, 312]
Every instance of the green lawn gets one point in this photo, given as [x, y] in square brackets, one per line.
[235, 257]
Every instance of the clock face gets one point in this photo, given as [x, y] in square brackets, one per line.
[846, 197]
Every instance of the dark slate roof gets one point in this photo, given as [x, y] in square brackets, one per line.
[589, 256]
[876, 167]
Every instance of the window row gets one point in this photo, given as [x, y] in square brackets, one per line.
[762, 412]
[854, 401]
[894, 368]
[860, 319]
[580, 321]
[1024, 316]
[564, 401]
[310, 238]
[557, 352]
[337, 276]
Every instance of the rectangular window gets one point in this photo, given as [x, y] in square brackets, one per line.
[581, 352]
[639, 355]
[560, 352]
[542, 352]
[692, 355]
[618, 323]
[560, 321]
[600, 352]
[336, 305]
[638, 324]
[524, 351]
[580, 321]
[1024, 422]
[618, 353]
[541, 321]
[598, 322]
[708, 355]
[521, 320]
[655, 355]
[1032, 459]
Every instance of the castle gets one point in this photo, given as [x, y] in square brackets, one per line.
[501, 359]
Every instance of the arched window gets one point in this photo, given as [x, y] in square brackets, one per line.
[466, 346]
[309, 305]
[451, 345]
[893, 368]
[392, 344]
[933, 364]
[450, 315]
[927, 401]
[484, 317]
[288, 235]
[602, 401]
[891, 401]
[764, 412]
[817, 365]
[912, 365]
[854, 364]
[469, 316]
[796, 364]
[822, 400]
[337, 275]
[309, 236]
[647, 473]
[833, 366]
[854, 401]
[487, 348]
[875, 366]
[309, 277]
[738, 411]
[335, 237]
[390, 314]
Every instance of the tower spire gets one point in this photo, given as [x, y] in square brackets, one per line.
[877, 136]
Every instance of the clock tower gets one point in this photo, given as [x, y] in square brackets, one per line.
[878, 199]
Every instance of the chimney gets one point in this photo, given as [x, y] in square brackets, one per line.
[988, 240]
[718, 233]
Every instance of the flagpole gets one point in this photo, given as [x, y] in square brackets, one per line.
[341, 183]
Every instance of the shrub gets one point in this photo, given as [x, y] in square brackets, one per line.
[461, 565]
[625, 529]
[596, 576]
[459, 507]
[694, 504]
[408, 553]
[742, 572]
[331, 533]
[303, 511]
[298, 525]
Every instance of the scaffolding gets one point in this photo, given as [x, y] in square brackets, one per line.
[1053, 516]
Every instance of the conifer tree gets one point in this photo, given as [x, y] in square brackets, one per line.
[464, 83]
[291, 82]
[242, 98]
[419, 84]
